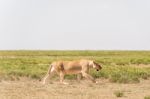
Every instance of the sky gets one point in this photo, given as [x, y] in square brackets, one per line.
[74, 24]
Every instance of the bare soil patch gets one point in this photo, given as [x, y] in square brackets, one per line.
[32, 89]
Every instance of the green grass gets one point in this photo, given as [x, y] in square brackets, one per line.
[117, 65]
[123, 74]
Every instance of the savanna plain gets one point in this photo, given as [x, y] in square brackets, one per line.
[124, 75]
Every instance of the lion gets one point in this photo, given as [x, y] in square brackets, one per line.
[79, 67]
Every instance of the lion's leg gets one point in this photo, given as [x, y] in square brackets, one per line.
[48, 75]
[44, 79]
[79, 77]
[86, 75]
[62, 78]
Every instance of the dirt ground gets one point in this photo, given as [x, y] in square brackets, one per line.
[32, 89]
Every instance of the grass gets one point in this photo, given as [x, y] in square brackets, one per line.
[119, 93]
[117, 65]
[147, 97]
[123, 74]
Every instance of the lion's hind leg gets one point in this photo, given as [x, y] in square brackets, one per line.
[49, 74]
[62, 78]
[79, 77]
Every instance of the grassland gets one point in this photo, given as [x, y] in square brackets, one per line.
[20, 72]
[118, 66]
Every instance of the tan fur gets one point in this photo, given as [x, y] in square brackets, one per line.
[72, 67]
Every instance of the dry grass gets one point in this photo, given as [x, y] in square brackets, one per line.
[147, 97]
[119, 93]
[33, 89]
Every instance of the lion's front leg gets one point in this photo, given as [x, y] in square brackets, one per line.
[86, 75]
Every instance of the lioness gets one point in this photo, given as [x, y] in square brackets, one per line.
[72, 67]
